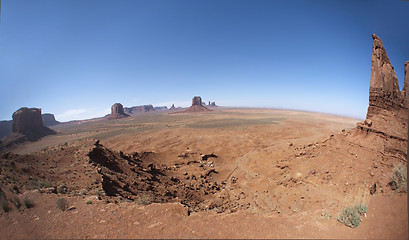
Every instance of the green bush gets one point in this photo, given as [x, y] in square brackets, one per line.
[62, 204]
[4, 204]
[88, 202]
[16, 202]
[399, 178]
[351, 216]
[28, 203]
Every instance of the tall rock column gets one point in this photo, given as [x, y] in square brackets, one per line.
[387, 111]
[405, 93]
[384, 90]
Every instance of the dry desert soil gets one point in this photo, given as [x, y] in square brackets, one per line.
[228, 173]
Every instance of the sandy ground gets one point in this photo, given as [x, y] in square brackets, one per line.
[290, 174]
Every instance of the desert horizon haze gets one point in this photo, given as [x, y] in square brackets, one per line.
[187, 127]
[74, 59]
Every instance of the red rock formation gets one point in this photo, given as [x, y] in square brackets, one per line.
[197, 106]
[173, 107]
[117, 112]
[405, 90]
[197, 101]
[387, 114]
[28, 122]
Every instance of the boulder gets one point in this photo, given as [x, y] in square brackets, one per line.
[117, 112]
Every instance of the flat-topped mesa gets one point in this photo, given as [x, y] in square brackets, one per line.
[117, 112]
[49, 119]
[28, 121]
[388, 108]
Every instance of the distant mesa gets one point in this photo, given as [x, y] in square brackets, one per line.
[161, 108]
[212, 104]
[27, 125]
[197, 106]
[138, 109]
[6, 127]
[49, 120]
[173, 107]
[117, 112]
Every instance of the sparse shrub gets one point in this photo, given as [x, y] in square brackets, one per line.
[351, 216]
[83, 192]
[361, 208]
[88, 202]
[46, 184]
[62, 204]
[4, 205]
[61, 189]
[16, 202]
[28, 203]
[399, 178]
[143, 200]
[32, 184]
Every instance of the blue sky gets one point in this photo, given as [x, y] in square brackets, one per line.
[75, 58]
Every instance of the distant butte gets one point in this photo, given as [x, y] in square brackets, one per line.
[117, 112]
[197, 106]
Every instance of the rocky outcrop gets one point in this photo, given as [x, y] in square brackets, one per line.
[387, 114]
[139, 109]
[49, 119]
[28, 122]
[173, 107]
[405, 91]
[197, 106]
[117, 112]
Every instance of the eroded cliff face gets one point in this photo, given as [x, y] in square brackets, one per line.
[387, 111]
[405, 93]
[387, 114]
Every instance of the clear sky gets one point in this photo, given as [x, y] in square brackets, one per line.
[75, 58]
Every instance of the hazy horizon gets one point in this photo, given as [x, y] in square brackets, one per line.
[76, 58]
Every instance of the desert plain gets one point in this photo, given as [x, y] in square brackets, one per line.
[228, 173]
